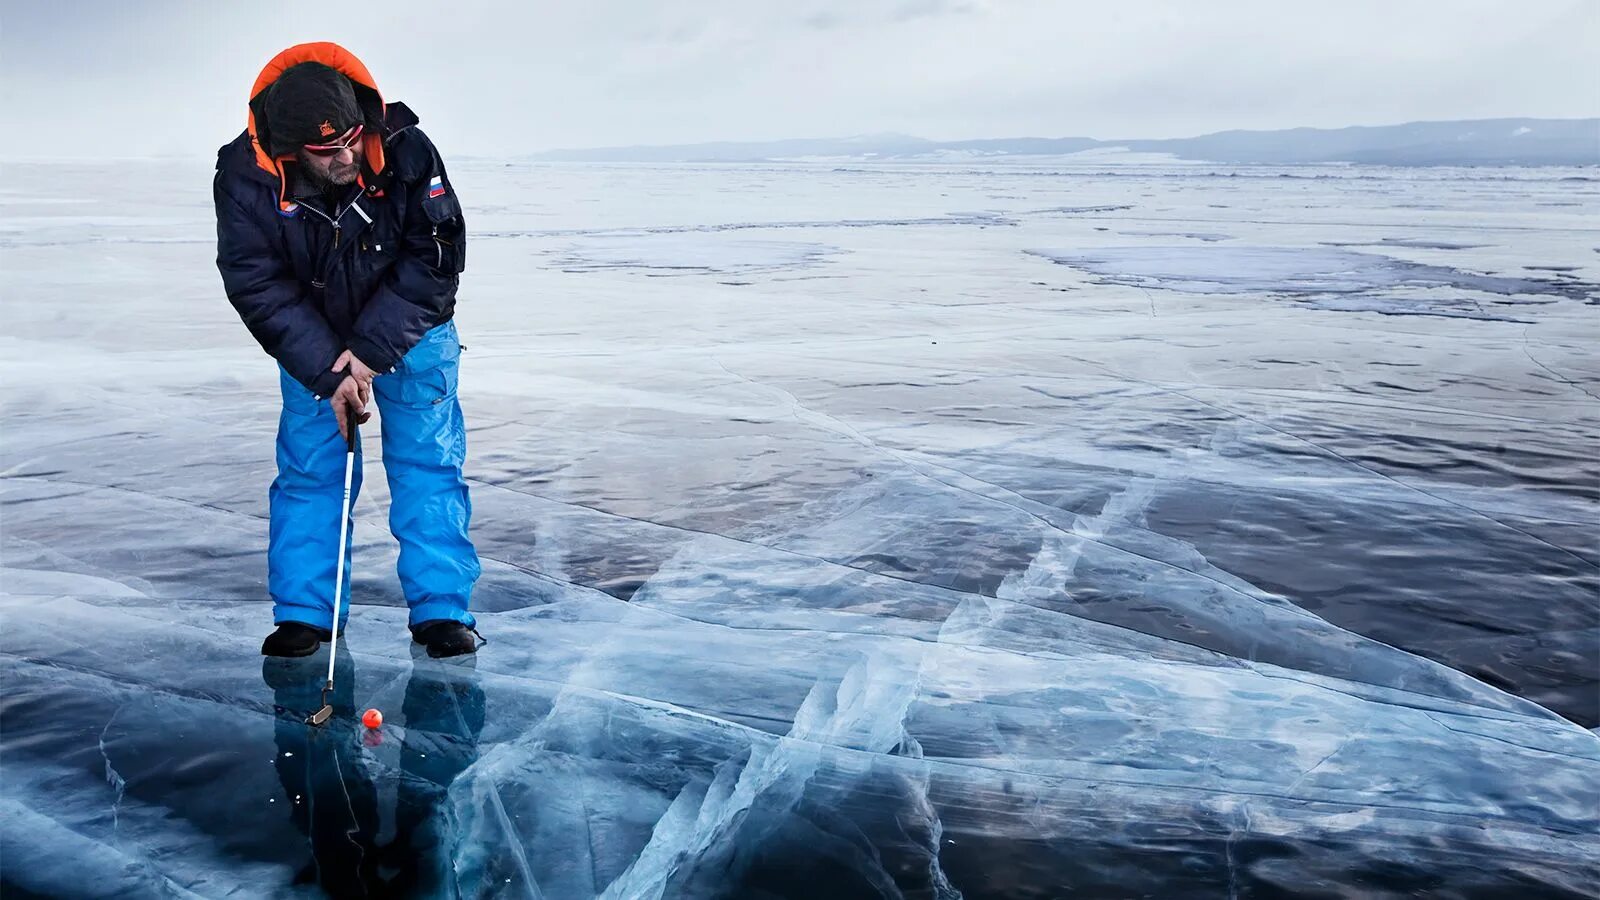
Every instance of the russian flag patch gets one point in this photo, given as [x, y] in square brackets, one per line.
[436, 187]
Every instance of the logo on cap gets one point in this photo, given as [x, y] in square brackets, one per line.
[327, 127]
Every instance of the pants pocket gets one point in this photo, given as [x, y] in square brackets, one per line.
[429, 373]
[429, 388]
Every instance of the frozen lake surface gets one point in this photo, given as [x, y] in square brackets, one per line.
[923, 532]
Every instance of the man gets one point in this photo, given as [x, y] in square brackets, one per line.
[341, 241]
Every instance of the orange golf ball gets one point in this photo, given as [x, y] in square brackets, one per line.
[372, 718]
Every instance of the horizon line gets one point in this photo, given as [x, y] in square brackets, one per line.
[895, 134]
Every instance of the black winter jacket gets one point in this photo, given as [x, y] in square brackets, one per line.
[371, 272]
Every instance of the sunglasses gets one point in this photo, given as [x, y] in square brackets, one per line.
[345, 142]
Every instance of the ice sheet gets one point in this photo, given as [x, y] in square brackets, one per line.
[1297, 270]
[877, 553]
[689, 253]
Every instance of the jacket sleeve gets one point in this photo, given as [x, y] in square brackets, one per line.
[270, 300]
[419, 291]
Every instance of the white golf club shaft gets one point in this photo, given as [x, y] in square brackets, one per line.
[344, 530]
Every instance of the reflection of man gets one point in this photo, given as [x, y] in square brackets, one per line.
[332, 799]
[340, 241]
[330, 795]
[443, 712]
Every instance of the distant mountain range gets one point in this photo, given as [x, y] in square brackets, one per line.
[1481, 142]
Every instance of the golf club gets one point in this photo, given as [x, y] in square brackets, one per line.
[352, 441]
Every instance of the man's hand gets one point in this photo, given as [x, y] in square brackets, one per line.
[358, 369]
[351, 399]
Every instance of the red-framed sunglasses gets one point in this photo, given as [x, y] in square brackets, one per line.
[344, 142]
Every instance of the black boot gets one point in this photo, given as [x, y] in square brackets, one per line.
[445, 637]
[294, 639]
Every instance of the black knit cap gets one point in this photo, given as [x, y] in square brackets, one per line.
[310, 103]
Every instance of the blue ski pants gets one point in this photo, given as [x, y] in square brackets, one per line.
[424, 446]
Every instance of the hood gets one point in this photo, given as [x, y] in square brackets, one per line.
[367, 97]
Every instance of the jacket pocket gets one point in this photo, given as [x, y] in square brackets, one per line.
[449, 232]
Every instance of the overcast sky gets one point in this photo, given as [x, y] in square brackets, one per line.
[159, 77]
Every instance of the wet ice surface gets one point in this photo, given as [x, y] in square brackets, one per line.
[682, 253]
[1297, 271]
[928, 533]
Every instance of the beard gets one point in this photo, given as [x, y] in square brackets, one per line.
[344, 176]
[329, 175]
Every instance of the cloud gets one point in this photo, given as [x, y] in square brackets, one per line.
[868, 14]
[494, 79]
[823, 20]
[922, 9]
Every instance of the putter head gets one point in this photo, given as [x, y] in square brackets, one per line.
[320, 716]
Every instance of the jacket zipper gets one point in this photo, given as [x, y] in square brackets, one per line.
[338, 230]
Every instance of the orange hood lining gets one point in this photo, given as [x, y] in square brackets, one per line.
[335, 57]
